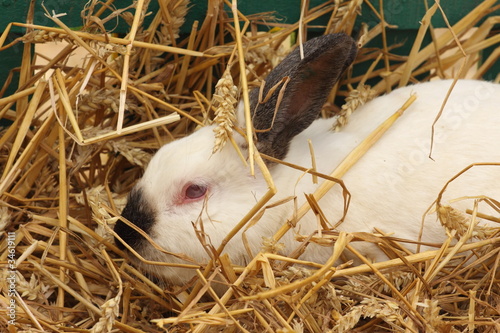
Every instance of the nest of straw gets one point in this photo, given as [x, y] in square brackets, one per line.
[81, 135]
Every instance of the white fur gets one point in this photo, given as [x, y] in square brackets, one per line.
[391, 186]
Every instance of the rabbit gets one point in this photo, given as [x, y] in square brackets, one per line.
[187, 187]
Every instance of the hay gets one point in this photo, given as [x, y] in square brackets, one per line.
[82, 135]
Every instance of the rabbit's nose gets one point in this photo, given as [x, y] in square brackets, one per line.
[138, 212]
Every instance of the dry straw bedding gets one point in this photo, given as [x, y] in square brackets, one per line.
[82, 135]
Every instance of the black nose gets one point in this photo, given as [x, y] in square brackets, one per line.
[139, 212]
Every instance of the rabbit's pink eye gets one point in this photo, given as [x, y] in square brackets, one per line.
[195, 191]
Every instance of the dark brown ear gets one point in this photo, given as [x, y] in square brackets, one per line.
[310, 81]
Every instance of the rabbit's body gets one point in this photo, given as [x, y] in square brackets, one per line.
[395, 182]
[392, 185]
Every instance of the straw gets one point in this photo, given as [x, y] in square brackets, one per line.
[82, 135]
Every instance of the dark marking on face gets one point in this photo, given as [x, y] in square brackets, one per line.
[139, 212]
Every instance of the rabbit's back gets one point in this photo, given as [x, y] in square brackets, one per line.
[395, 182]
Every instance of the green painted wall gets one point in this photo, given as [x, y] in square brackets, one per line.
[406, 14]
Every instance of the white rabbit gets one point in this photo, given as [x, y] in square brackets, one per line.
[391, 186]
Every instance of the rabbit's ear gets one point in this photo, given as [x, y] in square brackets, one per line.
[310, 81]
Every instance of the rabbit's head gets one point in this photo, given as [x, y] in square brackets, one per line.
[189, 198]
